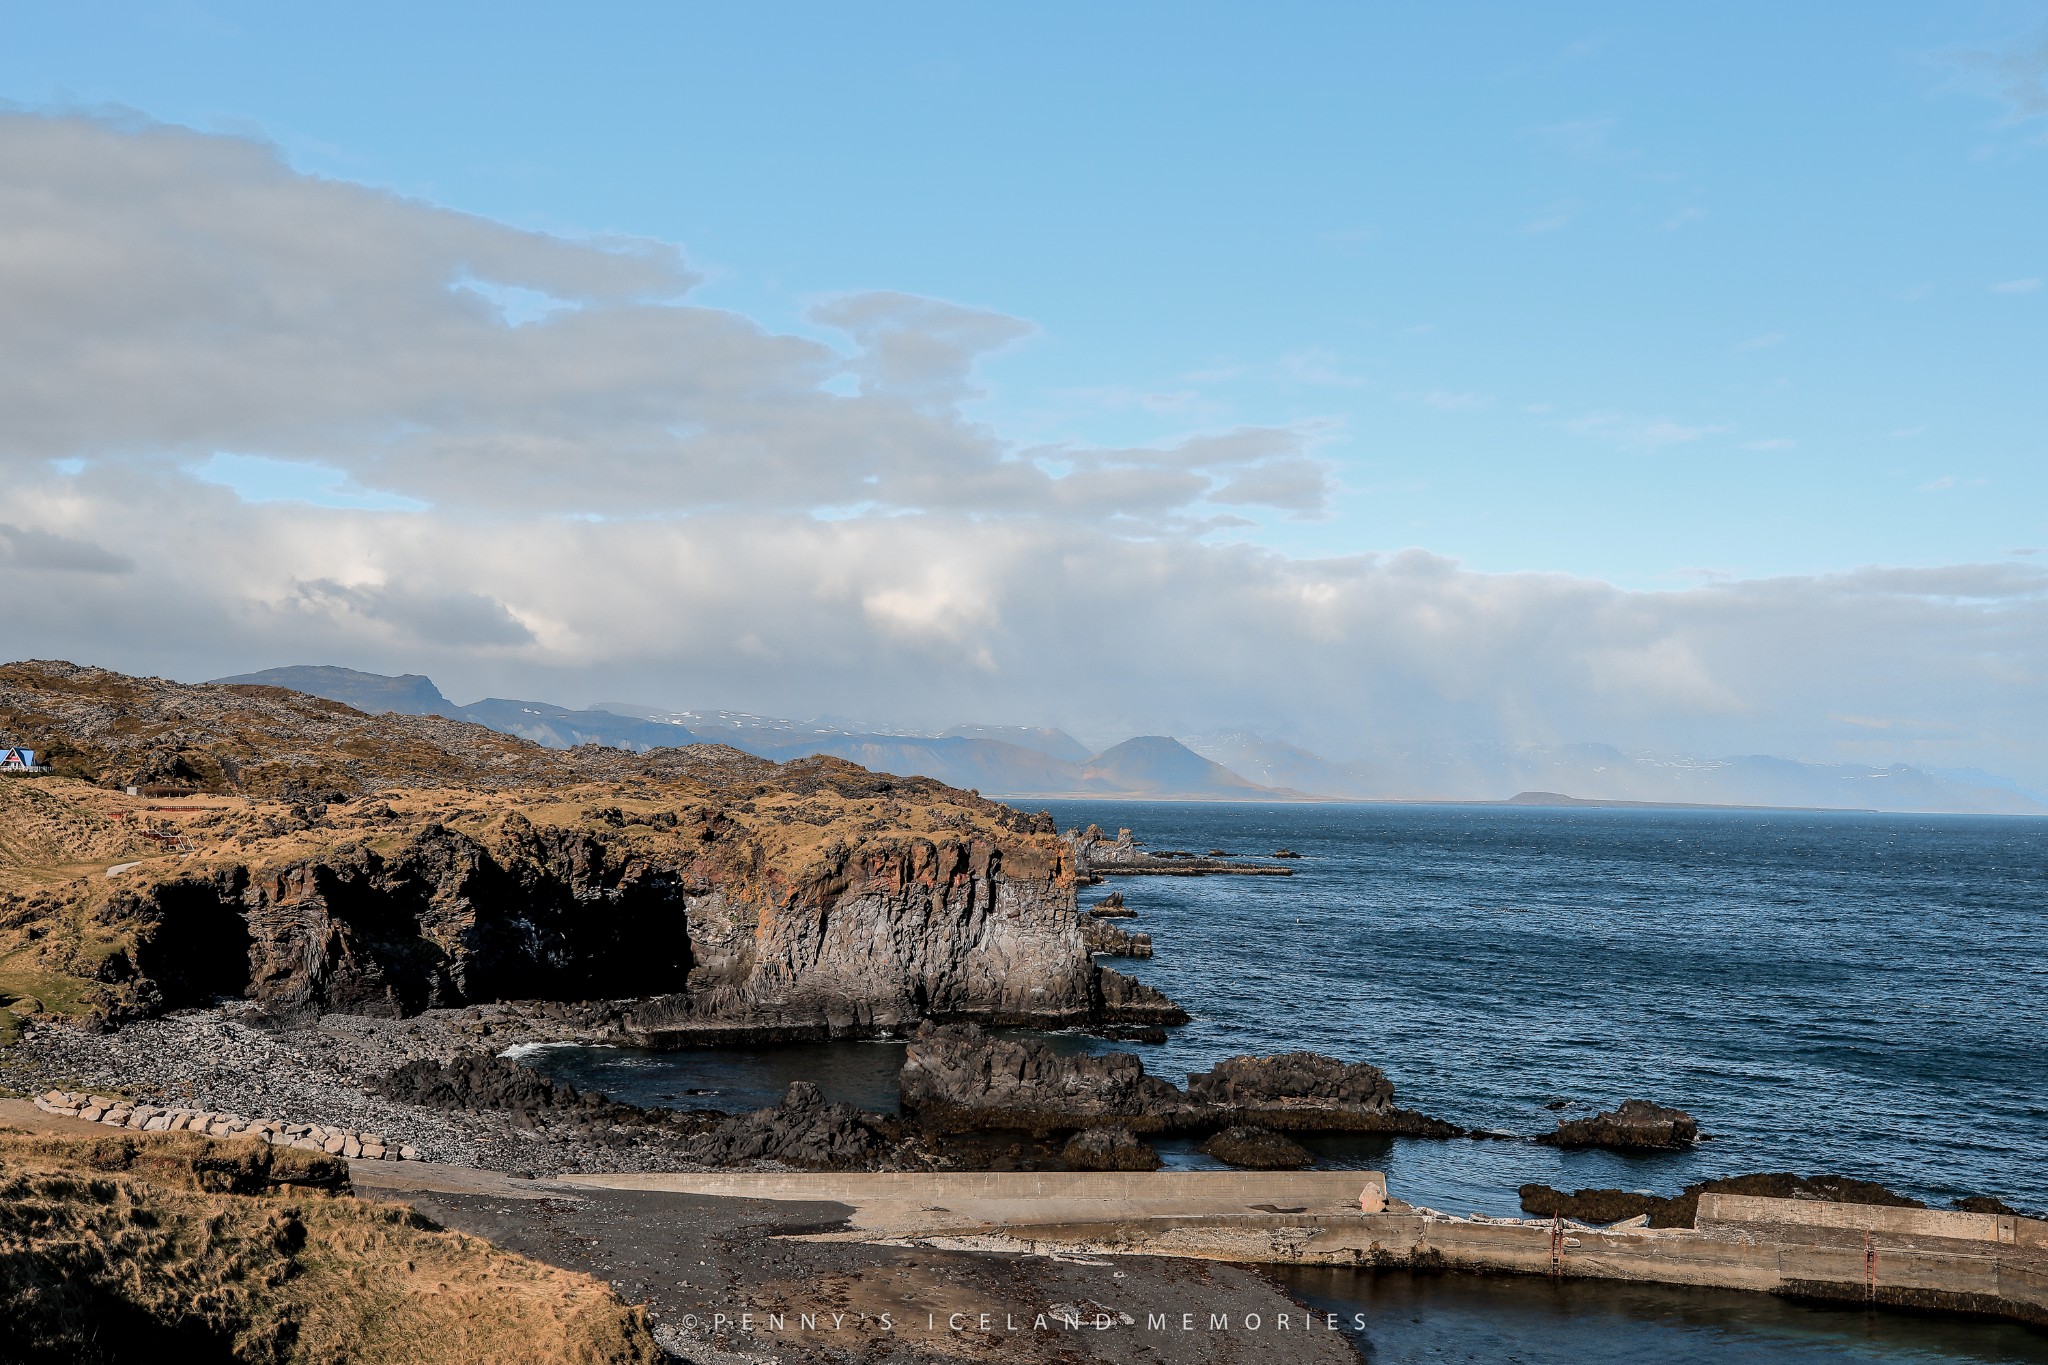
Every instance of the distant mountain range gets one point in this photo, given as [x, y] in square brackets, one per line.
[1600, 772]
[1024, 761]
[995, 759]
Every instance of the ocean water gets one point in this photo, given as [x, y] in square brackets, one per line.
[1863, 995]
[1855, 994]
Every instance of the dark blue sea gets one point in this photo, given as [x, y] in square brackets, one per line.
[1854, 994]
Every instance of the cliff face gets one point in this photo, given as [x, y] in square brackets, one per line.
[726, 896]
[694, 917]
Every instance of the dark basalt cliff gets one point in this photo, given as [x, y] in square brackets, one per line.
[698, 894]
[706, 938]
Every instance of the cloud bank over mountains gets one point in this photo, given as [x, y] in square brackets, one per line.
[598, 488]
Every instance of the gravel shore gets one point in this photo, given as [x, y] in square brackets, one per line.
[224, 1059]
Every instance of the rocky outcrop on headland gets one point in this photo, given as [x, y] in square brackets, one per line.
[1637, 1125]
[957, 1077]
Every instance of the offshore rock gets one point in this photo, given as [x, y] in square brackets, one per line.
[1112, 907]
[1308, 1092]
[1124, 1000]
[1257, 1149]
[1109, 1149]
[1250, 1081]
[1110, 941]
[803, 1130]
[1637, 1125]
[956, 1078]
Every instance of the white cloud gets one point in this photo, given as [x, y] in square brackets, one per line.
[2026, 286]
[170, 296]
[1760, 343]
[175, 294]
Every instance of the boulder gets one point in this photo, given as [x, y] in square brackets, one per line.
[1108, 1149]
[1257, 1149]
[1637, 1125]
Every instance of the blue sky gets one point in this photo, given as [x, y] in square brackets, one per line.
[1641, 294]
[1367, 377]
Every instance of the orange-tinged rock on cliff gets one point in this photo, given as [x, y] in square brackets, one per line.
[198, 841]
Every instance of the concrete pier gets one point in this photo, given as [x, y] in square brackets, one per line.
[1917, 1258]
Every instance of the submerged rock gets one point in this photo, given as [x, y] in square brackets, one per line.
[1109, 1149]
[1637, 1125]
[1257, 1149]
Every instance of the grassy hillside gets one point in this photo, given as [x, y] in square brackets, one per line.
[166, 1246]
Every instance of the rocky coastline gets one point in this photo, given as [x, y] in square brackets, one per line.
[1097, 856]
[334, 939]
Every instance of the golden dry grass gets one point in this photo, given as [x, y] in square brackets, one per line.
[197, 1250]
